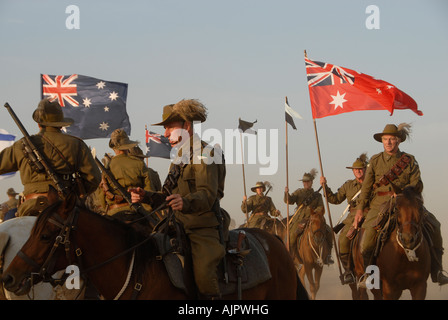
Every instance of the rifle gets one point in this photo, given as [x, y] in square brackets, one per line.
[305, 202]
[135, 206]
[35, 158]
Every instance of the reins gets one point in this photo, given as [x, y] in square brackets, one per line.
[46, 269]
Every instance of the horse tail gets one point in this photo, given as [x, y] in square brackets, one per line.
[302, 294]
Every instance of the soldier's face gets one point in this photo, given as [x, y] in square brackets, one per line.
[307, 184]
[359, 173]
[390, 143]
[176, 132]
[259, 190]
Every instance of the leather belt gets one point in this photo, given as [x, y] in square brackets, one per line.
[259, 214]
[35, 195]
[385, 193]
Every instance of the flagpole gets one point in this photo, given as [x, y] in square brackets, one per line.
[326, 201]
[146, 131]
[325, 192]
[287, 183]
[244, 179]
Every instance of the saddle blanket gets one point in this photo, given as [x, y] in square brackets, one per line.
[254, 269]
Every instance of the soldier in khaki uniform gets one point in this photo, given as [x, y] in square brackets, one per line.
[199, 188]
[11, 204]
[350, 190]
[379, 193]
[156, 185]
[64, 153]
[305, 199]
[128, 171]
[260, 205]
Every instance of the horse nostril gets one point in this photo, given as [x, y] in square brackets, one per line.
[8, 280]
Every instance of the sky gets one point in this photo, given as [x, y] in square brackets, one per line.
[241, 59]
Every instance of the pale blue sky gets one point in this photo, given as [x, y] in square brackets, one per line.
[241, 58]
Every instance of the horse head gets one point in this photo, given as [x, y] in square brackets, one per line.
[317, 225]
[47, 239]
[409, 206]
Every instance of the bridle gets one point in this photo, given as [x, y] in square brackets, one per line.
[63, 238]
[319, 241]
[417, 239]
[46, 270]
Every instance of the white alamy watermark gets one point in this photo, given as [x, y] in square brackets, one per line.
[373, 20]
[260, 148]
[73, 21]
[72, 281]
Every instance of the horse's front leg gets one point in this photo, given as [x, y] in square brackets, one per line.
[418, 292]
[390, 292]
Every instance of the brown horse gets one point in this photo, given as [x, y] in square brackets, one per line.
[404, 262]
[312, 248]
[105, 249]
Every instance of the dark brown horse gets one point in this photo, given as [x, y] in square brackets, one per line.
[404, 262]
[312, 248]
[104, 251]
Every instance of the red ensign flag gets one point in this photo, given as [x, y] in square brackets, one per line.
[335, 90]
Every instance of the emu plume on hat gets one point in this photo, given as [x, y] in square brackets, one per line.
[309, 176]
[185, 110]
[360, 163]
[119, 140]
[402, 131]
[259, 184]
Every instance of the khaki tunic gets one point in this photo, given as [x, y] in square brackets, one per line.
[130, 172]
[379, 165]
[75, 152]
[303, 213]
[260, 206]
[201, 185]
[347, 191]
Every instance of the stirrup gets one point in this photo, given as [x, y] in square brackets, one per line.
[362, 282]
[348, 278]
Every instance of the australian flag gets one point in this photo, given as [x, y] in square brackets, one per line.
[157, 145]
[98, 107]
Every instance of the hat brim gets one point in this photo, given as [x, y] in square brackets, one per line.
[65, 123]
[171, 118]
[127, 146]
[355, 167]
[378, 136]
[254, 189]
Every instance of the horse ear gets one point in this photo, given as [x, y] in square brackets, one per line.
[53, 195]
[70, 201]
[396, 188]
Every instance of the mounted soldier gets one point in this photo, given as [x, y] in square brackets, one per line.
[387, 169]
[350, 190]
[195, 194]
[154, 178]
[306, 200]
[128, 171]
[63, 162]
[260, 205]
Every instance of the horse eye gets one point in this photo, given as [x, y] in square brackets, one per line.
[44, 237]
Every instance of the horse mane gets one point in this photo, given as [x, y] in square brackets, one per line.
[410, 197]
[135, 233]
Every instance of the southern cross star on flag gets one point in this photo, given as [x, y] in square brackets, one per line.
[335, 90]
[98, 107]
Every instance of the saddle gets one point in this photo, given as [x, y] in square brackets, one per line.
[246, 264]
